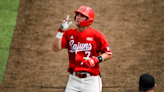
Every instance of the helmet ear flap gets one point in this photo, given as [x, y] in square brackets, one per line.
[86, 23]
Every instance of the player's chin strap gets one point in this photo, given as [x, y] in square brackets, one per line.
[100, 59]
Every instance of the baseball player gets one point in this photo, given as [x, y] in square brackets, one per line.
[87, 48]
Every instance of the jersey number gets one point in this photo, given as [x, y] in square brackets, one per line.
[88, 53]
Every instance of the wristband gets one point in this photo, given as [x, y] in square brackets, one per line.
[100, 59]
[59, 35]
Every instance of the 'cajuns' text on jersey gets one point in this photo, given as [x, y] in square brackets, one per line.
[87, 43]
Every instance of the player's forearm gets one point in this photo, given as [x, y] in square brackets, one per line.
[91, 62]
[105, 56]
[56, 45]
[57, 42]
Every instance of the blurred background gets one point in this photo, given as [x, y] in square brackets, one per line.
[133, 28]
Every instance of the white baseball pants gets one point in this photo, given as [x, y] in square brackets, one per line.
[88, 84]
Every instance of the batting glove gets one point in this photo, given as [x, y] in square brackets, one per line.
[90, 62]
[63, 26]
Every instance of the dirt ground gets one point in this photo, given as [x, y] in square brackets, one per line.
[133, 28]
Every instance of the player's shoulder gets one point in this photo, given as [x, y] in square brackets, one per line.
[96, 31]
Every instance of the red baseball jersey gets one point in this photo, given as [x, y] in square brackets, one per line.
[87, 43]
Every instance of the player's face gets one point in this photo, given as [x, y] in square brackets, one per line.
[80, 18]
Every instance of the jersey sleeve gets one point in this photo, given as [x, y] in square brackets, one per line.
[104, 46]
[64, 41]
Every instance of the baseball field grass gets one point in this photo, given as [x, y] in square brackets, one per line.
[8, 16]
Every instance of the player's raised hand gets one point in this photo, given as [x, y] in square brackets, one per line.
[90, 62]
[64, 25]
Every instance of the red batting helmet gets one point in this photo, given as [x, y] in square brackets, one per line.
[88, 12]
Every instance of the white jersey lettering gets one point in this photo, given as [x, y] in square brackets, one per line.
[79, 46]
